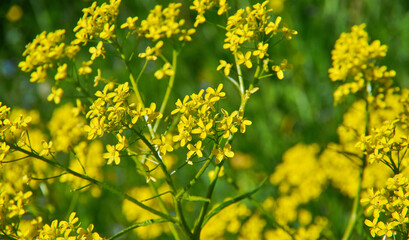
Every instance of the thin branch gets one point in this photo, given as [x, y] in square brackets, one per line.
[94, 181]
[136, 225]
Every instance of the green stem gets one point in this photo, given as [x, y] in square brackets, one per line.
[178, 206]
[198, 225]
[197, 176]
[134, 84]
[136, 225]
[168, 89]
[160, 201]
[355, 207]
[140, 73]
[240, 76]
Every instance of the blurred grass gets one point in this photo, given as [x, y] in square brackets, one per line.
[296, 109]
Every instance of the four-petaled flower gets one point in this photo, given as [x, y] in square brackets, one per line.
[244, 58]
[220, 153]
[112, 155]
[194, 149]
[279, 69]
[226, 66]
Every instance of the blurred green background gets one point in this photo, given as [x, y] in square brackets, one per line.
[296, 109]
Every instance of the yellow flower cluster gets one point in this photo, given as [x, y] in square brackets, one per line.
[70, 230]
[111, 112]
[382, 146]
[12, 208]
[12, 130]
[229, 220]
[164, 23]
[253, 27]
[97, 21]
[11, 205]
[43, 51]
[135, 214]
[66, 127]
[199, 117]
[308, 230]
[253, 23]
[345, 155]
[389, 207]
[355, 58]
[296, 184]
[201, 6]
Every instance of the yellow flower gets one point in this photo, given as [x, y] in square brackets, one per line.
[220, 153]
[61, 72]
[130, 23]
[288, 33]
[194, 149]
[186, 35]
[4, 149]
[85, 68]
[39, 75]
[55, 95]
[122, 142]
[112, 155]
[202, 129]
[226, 66]
[241, 58]
[279, 69]
[107, 32]
[46, 148]
[163, 145]
[214, 95]
[261, 50]
[166, 70]
[97, 51]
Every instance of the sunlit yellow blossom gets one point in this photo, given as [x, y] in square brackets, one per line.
[152, 53]
[226, 66]
[55, 95]
[112, 155]
[163, 144]
[85, 68]
[186, 35]
[97, 51]
[279, 69]
[162, 22]
[288, 33]
[166, 70]
[221, 153]
[213, 95]
[130, 23]
[194, 149]
[122, 142]
[61, 72]
[107, 32]
[39, 75]
[97, 21]
[46, 148]
[244, 58]
[4, 149]
[261, 51]
[68, 230]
